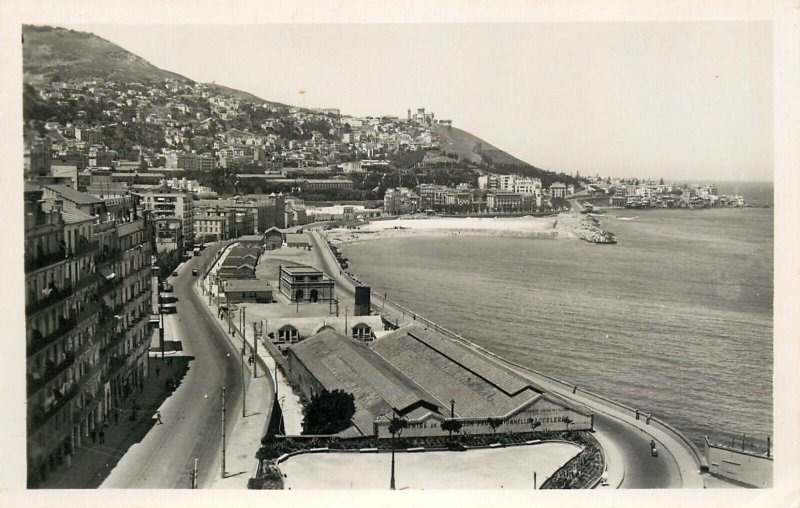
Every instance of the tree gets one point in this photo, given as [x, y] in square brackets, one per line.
[567, 420]
[396, 425]
[451, 425]
[494, 423]
[534, 423]
[329, 412]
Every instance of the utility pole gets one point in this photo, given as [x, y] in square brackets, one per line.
[223, 432]
[534, 480]
[256, 335]
[194, 475]
[391, 481]
[161, 330]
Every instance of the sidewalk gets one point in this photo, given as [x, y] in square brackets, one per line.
[91, 463]
[244, 438]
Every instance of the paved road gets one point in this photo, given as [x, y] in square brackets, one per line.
[641, 469]
[191, 421]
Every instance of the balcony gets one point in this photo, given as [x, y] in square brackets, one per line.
[88, 311]
[40, 416]
[114, 364]
[84, 247]
[54, 296]
[41, 260]
[107, 255]
[51, 372]
[112, 342]
[39, 341]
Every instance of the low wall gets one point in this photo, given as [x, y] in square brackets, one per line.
[741, 467]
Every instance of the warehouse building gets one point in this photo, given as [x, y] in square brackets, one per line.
[427, 378]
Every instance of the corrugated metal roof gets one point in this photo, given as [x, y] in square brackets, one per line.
[247, 285]
[450, 376]
[73, 195]
[339, 362]
[73, 215]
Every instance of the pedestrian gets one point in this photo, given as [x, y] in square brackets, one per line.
[157, 371]
[158, 418]
[94, 436]
[116, 418]
[637, 414]
[102, 436]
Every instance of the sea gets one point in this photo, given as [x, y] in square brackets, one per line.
[676, 319]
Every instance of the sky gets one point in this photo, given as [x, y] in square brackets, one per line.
[678, 100]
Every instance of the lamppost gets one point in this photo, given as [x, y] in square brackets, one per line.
[452, 408]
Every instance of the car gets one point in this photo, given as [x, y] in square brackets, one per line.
[194, 272]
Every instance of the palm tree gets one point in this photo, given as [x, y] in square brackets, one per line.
[494, 423]
[534, 423]
[451, 425]
[396, 426]
[567, 420]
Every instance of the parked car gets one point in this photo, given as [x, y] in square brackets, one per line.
[194, 272]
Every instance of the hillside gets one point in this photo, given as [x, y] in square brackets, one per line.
[473, 148]
[53, 53]
[476, 150]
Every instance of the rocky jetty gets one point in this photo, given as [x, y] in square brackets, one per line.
[589, 230]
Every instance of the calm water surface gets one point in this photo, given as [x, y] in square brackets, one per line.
[676, 319]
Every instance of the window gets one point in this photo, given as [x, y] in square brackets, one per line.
[287, 333]
[362, 332]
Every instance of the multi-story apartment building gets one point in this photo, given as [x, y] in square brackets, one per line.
[431, 196]
[87, 280]
[397, 201]
[171, 205]
[558, 190]
[211, 227]
[242, 218]
[510, 201]
[486, 182]
[195, 162]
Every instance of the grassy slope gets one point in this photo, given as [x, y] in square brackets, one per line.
[466, 146]
[73, 54]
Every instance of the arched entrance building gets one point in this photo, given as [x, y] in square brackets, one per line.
[300, 283]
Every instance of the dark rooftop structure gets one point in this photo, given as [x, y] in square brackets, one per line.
[426, 378]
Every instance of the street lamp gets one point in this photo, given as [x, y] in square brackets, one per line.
[396, 425]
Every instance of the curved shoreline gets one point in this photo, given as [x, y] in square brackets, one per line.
[561, 226]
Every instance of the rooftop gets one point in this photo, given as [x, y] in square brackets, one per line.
[246, 285]
[300, 269]
[73, 216]
[71, 194]
[340, 362]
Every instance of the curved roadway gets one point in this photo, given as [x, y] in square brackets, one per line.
[191, 416]
[641, 470]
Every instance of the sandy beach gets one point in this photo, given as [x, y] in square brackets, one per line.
[560, 226]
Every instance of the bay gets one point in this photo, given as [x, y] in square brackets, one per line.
[676, 319]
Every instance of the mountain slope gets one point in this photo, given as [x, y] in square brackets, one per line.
[53, 53]
[473, 148]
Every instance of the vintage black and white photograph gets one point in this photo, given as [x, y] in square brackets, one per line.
[412, 256]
